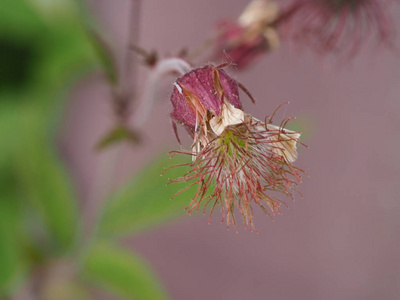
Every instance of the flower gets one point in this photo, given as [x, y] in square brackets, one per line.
[238, 160]
[246, 39]
[339, 26]
[200, 91]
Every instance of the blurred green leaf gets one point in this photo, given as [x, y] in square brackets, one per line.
[12, 261]
[146, 200]
[58, 48]
[18, 14]
[44, 183]
[38, 55]
[49, 49]
[121, 272]
[66, 51]
[9, 131]
[10, 258]
[118, 134]
[105, 56]
[305, 124]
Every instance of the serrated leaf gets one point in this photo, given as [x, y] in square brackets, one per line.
[145, 200]
[121, 272]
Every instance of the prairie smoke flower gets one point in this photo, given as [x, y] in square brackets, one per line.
[238, 160]
[246, 39]
[341, 26]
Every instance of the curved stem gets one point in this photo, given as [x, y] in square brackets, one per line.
[130, 64]
[162, 68]
[125, 93]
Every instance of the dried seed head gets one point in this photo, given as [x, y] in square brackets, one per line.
[238, 160]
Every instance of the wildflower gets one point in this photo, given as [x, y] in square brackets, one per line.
[200, 91]
[238, 160]
[341, 26]
[246, 39]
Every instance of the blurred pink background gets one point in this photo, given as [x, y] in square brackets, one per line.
[341, 241]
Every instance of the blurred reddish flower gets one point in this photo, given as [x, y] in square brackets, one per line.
[338, 26]
[246, 39]
[237, 159]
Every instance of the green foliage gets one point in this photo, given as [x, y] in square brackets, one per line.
[18, 14]
[37, 208]
[121, 272]
[45, 184]
[105, 57]
[47, 48]
[118, 134]
[53, 36]
[10, 120]
[43, 47]
[145, 200]
[11, 260]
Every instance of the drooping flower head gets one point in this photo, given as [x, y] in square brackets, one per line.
[238, 161]
[251, 36]
[200, 91]
[338, 26]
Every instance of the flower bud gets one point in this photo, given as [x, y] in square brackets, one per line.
[199, 91]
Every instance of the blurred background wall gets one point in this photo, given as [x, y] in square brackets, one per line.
[341, 241]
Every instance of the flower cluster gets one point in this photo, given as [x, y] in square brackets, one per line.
[238, 160]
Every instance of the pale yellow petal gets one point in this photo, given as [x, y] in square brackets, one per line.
[259, 11]
[271, 35]
[229, 116]
[287, 145]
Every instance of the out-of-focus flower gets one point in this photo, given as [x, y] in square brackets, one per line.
[338, 26]
[238, 160]
[252, 35]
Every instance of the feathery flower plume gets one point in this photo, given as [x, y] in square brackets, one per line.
[237, 160]
[338, 26]
[246, 39]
